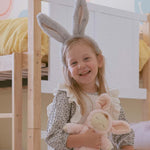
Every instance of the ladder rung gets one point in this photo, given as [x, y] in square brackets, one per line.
[6, 115]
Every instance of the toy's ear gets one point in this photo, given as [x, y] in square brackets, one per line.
[52, 28]
[120, 127]
[80, 18]
[104, 101]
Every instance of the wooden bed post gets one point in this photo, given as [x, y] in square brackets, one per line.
[146, 84]
[146, 69]
[146, 30]
[16, 102]
[34, 77]
[148, 90]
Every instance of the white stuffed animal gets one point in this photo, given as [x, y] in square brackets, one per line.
[102, 123]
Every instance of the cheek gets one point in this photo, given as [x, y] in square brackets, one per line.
[94, 66]
[71, 72]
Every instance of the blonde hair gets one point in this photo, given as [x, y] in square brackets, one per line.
[70, 82]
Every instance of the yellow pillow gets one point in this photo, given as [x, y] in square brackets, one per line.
[144, 52]
[14, 37]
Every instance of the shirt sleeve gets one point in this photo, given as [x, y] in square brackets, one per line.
[60, 114]
[124, 139]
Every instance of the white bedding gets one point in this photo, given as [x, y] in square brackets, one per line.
[142, 135]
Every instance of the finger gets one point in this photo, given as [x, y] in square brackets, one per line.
[91, 130]
[98, 146]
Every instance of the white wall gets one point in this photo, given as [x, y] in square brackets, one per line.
[119, 4]
[19, 8]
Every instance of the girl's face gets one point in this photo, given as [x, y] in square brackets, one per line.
[83, 64]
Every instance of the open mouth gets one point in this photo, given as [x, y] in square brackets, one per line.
[84, 73]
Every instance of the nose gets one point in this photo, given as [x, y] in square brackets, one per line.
[80, 65]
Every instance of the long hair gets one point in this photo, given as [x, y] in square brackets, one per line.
[70, 82]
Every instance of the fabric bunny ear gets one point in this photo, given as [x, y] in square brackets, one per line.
[104, 101]
[81, 16]
[120, 127]
[52, 28]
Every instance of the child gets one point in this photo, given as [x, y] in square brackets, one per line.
[83, 65]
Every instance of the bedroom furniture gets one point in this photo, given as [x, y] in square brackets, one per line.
[142, 135]
[15, 62]
[145, 74]
[34, 78]
[117, 33]
[13, 65]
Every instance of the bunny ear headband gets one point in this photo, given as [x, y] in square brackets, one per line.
[59, 33]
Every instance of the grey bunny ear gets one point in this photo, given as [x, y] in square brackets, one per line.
[81, 16]
[52, 28]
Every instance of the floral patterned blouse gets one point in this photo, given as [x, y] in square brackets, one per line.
[65, 108]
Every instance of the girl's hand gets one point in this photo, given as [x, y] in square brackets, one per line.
[127, 148]
[88, 139]
[91, 139]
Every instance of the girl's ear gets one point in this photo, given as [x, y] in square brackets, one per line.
[100, 60]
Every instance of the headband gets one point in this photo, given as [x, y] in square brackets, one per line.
[59, 33]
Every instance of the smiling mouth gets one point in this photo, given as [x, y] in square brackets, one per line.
[85, 73]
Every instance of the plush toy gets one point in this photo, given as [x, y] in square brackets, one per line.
[101, 122]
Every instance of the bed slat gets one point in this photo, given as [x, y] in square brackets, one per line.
[6, 63]
[6, 115]
[17, 102]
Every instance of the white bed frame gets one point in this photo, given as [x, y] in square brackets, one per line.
[116, 32]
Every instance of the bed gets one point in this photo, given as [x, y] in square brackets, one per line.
[145, 72]
[16, 62]
[123, 24]
[14, 39]
[141, 129]
[14, 67]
